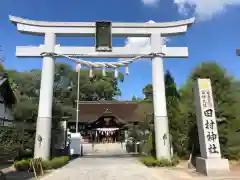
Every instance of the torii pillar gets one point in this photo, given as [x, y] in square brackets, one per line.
[44, 121]
[50, 29]
[162, 137]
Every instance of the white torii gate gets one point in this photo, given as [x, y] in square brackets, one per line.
[51, 29]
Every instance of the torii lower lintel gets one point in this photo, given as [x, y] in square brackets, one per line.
[89, 52]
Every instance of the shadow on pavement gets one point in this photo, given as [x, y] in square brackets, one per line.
[19, 175]
[5, 166]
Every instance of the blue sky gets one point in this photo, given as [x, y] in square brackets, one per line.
[214, 37]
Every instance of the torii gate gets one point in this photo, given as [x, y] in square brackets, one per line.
[51, 29]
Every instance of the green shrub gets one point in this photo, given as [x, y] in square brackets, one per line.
[47, 165]
[57, 162]
[150, 161]
[175, 160]
[22, 165]
[234, 153]
[164, 163]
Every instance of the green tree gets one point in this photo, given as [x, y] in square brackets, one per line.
[176, 125]
[148, 92]
[27, 87]
[134, 98]
[25, 110]
[224, 101]
[65, 87]
[172, 100]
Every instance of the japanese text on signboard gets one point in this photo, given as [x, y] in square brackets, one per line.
[210, 126]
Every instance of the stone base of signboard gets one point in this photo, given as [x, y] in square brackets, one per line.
[212, 167]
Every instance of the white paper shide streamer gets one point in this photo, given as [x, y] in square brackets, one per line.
[103, 65]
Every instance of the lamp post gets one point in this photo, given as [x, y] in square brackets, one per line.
[78, 89]
[78, 68]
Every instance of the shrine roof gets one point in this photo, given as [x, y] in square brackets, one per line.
[127, 111]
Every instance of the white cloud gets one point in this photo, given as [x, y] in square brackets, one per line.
[150, 2]
[204, 9]
[141, 44]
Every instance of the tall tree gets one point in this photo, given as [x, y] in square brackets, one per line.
[27, 85]
[176, 125]
[224, 100]
[172, 101]
[148, 92]
[65, 87]
[134, 98]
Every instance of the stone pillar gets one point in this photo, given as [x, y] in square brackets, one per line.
[210, 162]
[44, 121]
[159, 101]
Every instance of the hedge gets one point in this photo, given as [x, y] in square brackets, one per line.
[22, 165]
[57, 162]
[234, 153]
[150, 161]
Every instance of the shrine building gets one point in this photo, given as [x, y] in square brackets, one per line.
[108, 121]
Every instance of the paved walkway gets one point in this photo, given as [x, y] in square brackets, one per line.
[102, 167]
[190, 174]
[111, 163]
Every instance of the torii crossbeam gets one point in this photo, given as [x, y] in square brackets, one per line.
[52, 29]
